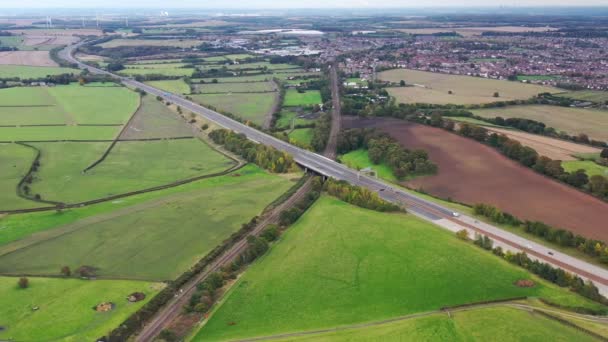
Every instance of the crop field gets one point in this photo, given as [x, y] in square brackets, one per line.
[15, 161]
[29, 72]
[31, 58]
[301, 136]
[235, 87]
[138, 242]
[553, 148]
[359, 159]
[65, 308]
[382, 266]
[237, 79]
[432, 87]
[174, 86]
[179, 43]
[253, 107]
[485, 324]
[587, 95]
[295, 99]
[470, 172]
[132, 165]
[574, 121]
[589, 166]
[154, 120]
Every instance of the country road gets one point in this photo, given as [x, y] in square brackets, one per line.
[435, 213]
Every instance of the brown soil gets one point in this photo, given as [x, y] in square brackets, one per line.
[525, 283]
[33, 58]
[104, 307]
[472, 173]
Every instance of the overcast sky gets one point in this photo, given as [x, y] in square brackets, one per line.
[285, 3]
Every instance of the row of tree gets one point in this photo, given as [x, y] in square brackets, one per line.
[266, 157]
[358, 196]
[561, 237]
[555, 275]
[382, 148]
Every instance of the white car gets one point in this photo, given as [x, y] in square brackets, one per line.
[455, 214]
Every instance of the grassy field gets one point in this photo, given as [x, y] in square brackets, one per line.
[295, 99]
[96, 105]
[587, 95]
[160, 69]
[42, 133]
[234, 87]
[30, 72]
[341, 265]
[471, 120]
[359, 159]
[131, 165]
[301, 136]
[487, 324]
[536, 77]
[590, 167]
[139, 241]
[65, 308]
[434, 87]
[571, 120]
[287, 115]
[154, 119]
[15, 161]
[173, 86]
[252, 107]
[179, 43]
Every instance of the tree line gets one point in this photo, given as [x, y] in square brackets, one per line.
[358, 196]
[561, 237]
[555, 275]
[382, 148]
[266, 157]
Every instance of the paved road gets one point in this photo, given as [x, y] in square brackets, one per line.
[425, 209]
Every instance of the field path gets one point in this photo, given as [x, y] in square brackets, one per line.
[513, 305]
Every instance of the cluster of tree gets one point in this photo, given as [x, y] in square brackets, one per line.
[54, 55]
[555, 275]
[320, 132]
[564, 238]
[358, 196]
[597, 185]
[495, 214]
[121, 52]
[264, 156]
[382, 148]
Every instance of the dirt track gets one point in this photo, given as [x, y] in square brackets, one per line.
[474, 173]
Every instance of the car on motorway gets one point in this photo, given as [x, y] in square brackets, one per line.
[455, 214]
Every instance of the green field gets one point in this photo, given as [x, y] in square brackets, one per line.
[253, 107]
[434, 88]
[587, 95]
[590, 167]
[15, 162]
[139, 242]
[234, 87]
[132, 165]
[236, 79]
[287, 115]
[41, 133]
[295, 99]
[33, 72]
[154, 119]
[341, 264]
[486, 324]
[179, 43]
[570, 120]
[471, 120]
[156, 69]
[301, 136]
[536, 77]
[174, 86]
[359, 159]
[65, 308]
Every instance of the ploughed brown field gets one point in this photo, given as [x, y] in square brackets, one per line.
[471, 172]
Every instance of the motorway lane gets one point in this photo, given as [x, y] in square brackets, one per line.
[423, 208]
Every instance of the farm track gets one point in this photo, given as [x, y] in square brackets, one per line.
[447, 311]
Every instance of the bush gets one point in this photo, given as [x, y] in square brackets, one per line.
[23, 283]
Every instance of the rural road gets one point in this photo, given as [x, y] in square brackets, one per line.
[425, 209]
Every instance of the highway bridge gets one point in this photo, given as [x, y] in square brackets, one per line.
[430, 211]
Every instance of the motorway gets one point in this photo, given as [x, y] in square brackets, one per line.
[435, 213]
